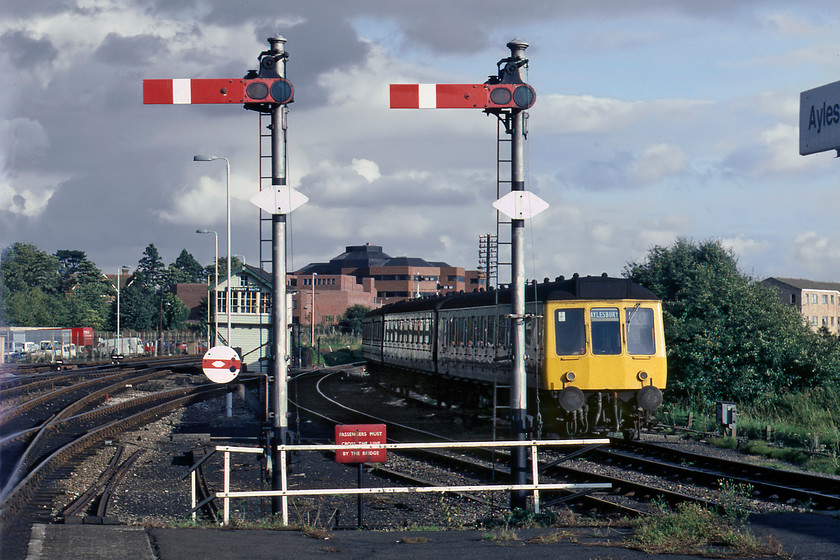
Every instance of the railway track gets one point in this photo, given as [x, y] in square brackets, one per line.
[479, 466]
[811, 490]
[48, 451]
[640, 472]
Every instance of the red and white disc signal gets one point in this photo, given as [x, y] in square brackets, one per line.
[221, 364]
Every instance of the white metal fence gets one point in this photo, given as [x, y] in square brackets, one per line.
[535, 486]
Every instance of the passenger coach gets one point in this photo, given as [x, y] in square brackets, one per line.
[595, 350]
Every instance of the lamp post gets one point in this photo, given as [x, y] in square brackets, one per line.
[312, 317]
[216, 283]
[228, 397]
[227, 288]
[117, 286]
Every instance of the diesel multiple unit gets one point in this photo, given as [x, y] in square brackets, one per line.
[594, 350]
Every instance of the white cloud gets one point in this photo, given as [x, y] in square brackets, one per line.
[204, 203]
[745, 246]
[367, 169]
[658, 161]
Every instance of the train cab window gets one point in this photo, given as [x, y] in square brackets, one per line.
[606, 330]
[640, 339]
[569, 336]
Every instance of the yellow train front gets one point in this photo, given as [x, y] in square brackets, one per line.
[604, 362]
[594, 351]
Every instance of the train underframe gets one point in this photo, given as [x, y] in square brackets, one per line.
[601, 412]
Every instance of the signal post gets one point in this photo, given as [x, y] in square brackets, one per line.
[265, 90]
[507, 97]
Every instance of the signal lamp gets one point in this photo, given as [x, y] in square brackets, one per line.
[516, 96]
[269, 90]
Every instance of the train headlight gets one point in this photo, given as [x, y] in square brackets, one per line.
[642, 376]
[569, 376]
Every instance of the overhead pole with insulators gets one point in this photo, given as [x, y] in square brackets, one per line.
[507, 96]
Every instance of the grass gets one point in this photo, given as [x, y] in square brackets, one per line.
[693, 529]
[798, 428]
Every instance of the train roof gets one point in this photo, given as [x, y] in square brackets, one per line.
[577, 287]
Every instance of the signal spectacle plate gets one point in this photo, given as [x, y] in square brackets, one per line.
[256, 90]
[281, 91]
[500, 96]
[524, 96]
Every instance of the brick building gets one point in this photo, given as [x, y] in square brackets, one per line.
[334, 294]
[193, 295]
[395, 278]
[818, 302]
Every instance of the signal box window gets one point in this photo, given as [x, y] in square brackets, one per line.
[606, 330]
[640, 331]
[570, 339]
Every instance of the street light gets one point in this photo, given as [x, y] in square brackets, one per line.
[216, 282]
[227, 289]
[117, 286]
[312, 318]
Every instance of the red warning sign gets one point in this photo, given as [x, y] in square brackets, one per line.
[349, 434]
[221, 364]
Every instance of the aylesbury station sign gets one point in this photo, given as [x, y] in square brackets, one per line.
[819, 119]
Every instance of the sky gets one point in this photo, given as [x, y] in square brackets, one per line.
[654, 120]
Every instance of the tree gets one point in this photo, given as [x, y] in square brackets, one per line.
[351, 320]
[186, 269]
[209, 270]
[30, 287]
[728, 336]
[151, 266]
[25, 266]
[138, 305]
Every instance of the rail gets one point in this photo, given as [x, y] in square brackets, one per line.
[284, 492]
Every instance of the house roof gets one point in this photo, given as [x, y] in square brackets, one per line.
[804, 284]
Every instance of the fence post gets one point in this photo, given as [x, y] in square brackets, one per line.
[535, 474]
[192, 493]
[227, 488]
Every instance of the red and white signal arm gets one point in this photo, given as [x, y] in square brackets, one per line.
[221, 364]
[224, 90]
[462, 96]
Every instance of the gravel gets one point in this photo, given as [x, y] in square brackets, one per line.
[156, 492]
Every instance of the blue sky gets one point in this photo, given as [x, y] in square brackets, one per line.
[654, 120]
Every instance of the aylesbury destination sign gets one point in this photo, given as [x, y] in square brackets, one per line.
[819, 119]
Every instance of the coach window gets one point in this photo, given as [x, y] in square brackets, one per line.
[569, 336]
[640, 331]
[606, 330]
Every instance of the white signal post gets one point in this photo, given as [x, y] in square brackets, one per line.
[266, 91]
[504, 96]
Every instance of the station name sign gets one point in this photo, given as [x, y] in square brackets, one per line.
[819, 119]
[352, 434]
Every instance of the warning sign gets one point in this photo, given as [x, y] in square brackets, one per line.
[349, 434]
[221, 364]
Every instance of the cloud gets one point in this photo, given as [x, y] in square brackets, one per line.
[367, 169]
[25, 52]
[658, 161]
[204, 203]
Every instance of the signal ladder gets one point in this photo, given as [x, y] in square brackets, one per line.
[265, 224]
